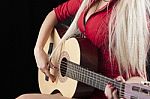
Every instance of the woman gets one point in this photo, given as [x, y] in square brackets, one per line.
[119, 28]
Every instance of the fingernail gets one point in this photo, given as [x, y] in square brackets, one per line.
[53, 80]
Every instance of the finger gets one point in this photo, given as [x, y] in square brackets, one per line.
[52, 66]
[120, 78]
[115, 95]
[45, 67]
[52, 77]
[46, 71]
[108, 91]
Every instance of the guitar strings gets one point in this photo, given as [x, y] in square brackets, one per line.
[89, 76]
[122, 93]
[86, 70]
[64, 63]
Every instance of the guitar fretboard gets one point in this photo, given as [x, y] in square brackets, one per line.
[89, 77]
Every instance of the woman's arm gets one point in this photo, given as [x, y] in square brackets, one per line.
[45, 30]
[58, 14]
[41, 57]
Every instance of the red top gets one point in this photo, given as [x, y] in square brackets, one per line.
[95, 29]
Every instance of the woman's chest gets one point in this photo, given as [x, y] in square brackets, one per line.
[95, 27]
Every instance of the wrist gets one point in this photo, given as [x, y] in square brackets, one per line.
[37, 49]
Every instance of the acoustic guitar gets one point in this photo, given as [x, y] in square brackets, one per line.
[77, 62]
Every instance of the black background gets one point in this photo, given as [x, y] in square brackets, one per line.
[23, 19]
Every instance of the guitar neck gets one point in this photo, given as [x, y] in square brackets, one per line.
[88, 77]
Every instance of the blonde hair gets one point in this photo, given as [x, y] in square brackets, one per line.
[128, 34]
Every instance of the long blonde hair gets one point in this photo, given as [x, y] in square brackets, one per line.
[128, 34]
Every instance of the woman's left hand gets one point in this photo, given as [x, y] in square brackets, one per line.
[111, 91]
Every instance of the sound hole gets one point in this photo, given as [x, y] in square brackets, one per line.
[63, 67]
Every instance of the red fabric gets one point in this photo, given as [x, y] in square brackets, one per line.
[96, 29]
[67, 9]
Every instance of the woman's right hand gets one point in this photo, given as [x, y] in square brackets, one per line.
[43, 63]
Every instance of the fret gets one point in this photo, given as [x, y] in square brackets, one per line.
[95, 77]
[76, 70]
[90, 80]
[94, 80]
[98, 82]
[83, 71]
[80, 76]
[102, 83]
[87, 78]
[73, 72]
[90, 76]
[83, 78]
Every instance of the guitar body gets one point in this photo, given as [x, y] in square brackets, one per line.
[79, 51]
[77, 76]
